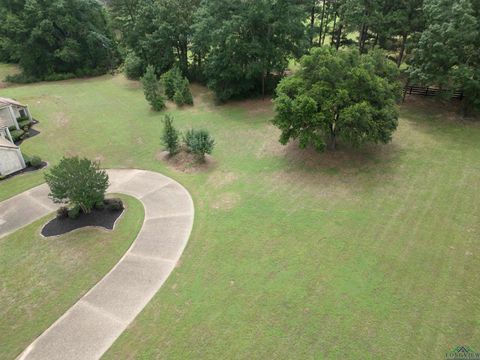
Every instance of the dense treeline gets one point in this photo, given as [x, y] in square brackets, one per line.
[241, 48]
[53, 39]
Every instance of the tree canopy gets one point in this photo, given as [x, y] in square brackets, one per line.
[77, 182]
[245, 42]
[338, 94]
[448, 53]
[48, 37]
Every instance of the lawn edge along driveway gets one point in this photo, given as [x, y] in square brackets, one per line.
[95, 321]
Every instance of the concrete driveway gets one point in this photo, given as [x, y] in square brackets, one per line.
[92, 324]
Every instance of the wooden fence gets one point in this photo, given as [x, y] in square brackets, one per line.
[430, 91]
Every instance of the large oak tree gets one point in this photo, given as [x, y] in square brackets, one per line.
[339, 94]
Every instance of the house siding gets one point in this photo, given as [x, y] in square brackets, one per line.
[6, 119]
[10, 161]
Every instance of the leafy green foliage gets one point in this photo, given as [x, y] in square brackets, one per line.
[35, 161]
[114, 204]
[48, 37]
[74, 212]
[17, 134]
[244, 42]
[170, 80]
[151, 89]
[170, 135]
[158, 31]
[338, 94]
[133, 66]
[447, 53]
[177, 87]
[62, 212]
[183, 96]
[77, 182]
[199, 142]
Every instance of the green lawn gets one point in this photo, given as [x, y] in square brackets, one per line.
[358, 254]
[41, 277]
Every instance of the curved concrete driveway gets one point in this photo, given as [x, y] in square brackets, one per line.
[92, 324]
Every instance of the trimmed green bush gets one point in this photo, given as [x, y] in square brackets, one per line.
[114, 204]
[100, 205]
[25, 123]
[199, 142]
[74, 212]
[62, 212]
[36, 162]
[17, 134]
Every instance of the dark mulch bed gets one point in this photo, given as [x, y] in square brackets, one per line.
[26, 170]
[102, 218]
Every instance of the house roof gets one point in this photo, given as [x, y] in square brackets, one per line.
[7, 101]
[4, 143]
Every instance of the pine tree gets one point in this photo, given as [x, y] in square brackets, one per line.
[151, 89]
[183, 96]
[170, 135]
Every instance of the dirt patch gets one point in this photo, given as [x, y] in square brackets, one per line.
[270, 145]
[99, 158]
[440, 108]
[254, 107]
[222, 178]
[61, 119]
[186, 162]
[344, 159]
[226, 201]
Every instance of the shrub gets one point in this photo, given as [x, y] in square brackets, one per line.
[170, 80]
[151, 89]
[182, 93]
[61, 76]
[170, 135]
[100, 205]
[25, 124]
[17, 134]
[78, 182]
[115, 204]
[188, 139]
[133, 66]
[62, 212]
[74, 212]
[36, 162]
[21, 78]
[199, 142]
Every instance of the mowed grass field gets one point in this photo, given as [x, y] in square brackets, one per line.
[41, 278]
[370, 253]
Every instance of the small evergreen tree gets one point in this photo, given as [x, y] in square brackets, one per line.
[151, 89]
[77, 182]
[170, 135]
[182, 93]
[170, 80]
